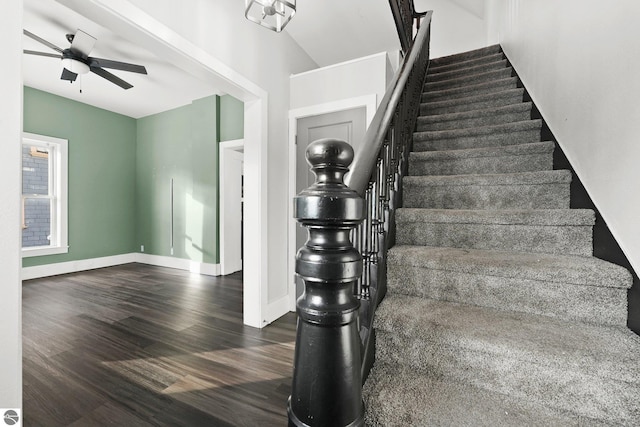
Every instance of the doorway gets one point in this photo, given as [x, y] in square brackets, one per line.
[368, 103]
[231, 182]
[348, 125]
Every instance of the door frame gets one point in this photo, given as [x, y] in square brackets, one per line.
[370, 104]
[228, 260]
[131, 22]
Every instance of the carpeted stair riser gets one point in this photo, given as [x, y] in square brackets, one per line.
[593, 304]
[574, 270]
[483, 141]
[463, 81]
[567, 287]
[508, 159]
[468, 80]
[469, 119]
[435, 69]
[570, 302]
[478, 102]
[589, 370]
[485, 136]
[482, 132]
[466, 56]
[524, 190]
[443, 403]
[519, 231]
[470, 90]
[464, 71]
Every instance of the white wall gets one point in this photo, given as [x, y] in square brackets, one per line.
[351, 79]
[10, 175]
[267, 59]
[579, 59]
[454, 29]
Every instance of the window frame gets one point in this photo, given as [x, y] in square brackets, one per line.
[58, 194]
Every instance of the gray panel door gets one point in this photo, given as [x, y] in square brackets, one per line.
[348, 125]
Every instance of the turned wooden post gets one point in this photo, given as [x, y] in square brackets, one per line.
[327, 382]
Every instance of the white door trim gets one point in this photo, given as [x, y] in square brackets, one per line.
[370, 104]
[131, 22]
[229, 260]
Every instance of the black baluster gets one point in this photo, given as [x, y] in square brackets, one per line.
[327, 381]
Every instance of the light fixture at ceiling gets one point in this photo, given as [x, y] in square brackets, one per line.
[272, 14]
[75, 66]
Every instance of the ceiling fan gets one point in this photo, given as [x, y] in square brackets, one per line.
[76, 59]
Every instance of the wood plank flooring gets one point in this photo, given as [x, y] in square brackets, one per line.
[137, 345]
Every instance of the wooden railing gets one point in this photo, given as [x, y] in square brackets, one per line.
[343, 262]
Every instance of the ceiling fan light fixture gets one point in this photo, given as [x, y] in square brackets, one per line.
[75, 66]
[271, 14]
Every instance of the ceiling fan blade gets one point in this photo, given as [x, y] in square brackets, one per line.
[112, 78]
[117, 65]
[41, 40]
[68, 75]
[82, 43]
[50, 55]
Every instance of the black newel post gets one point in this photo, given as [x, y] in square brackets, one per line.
[327, 383]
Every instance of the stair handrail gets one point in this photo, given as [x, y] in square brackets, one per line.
[376, 175]
[343, 262]
[405, 16]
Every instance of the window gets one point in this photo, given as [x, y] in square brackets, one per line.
[44, 195]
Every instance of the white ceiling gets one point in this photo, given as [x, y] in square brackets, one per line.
[333, 31]
[330, 31]
[165, 87]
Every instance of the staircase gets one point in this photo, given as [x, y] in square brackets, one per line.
[496, 312]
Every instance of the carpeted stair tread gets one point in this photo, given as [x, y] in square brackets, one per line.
[530, 157]
[577, 270]
[462, 71]
[574, 288]
[468, 119]
[471, 90]
[465, 56]
[397, 396]
[476, 102]
[587, 369]
[435, 69]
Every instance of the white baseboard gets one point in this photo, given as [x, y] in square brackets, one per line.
[47, 270]
[179, 263]
[38, 271]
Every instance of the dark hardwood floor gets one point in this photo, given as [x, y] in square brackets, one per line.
[137, 345]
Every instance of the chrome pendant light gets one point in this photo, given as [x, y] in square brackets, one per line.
[272, 14]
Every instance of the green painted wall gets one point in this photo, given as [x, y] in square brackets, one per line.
[180, 144]
[101, 174]
[231, 118]
[120, 170]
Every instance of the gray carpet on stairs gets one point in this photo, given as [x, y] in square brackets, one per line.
[497, 314]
